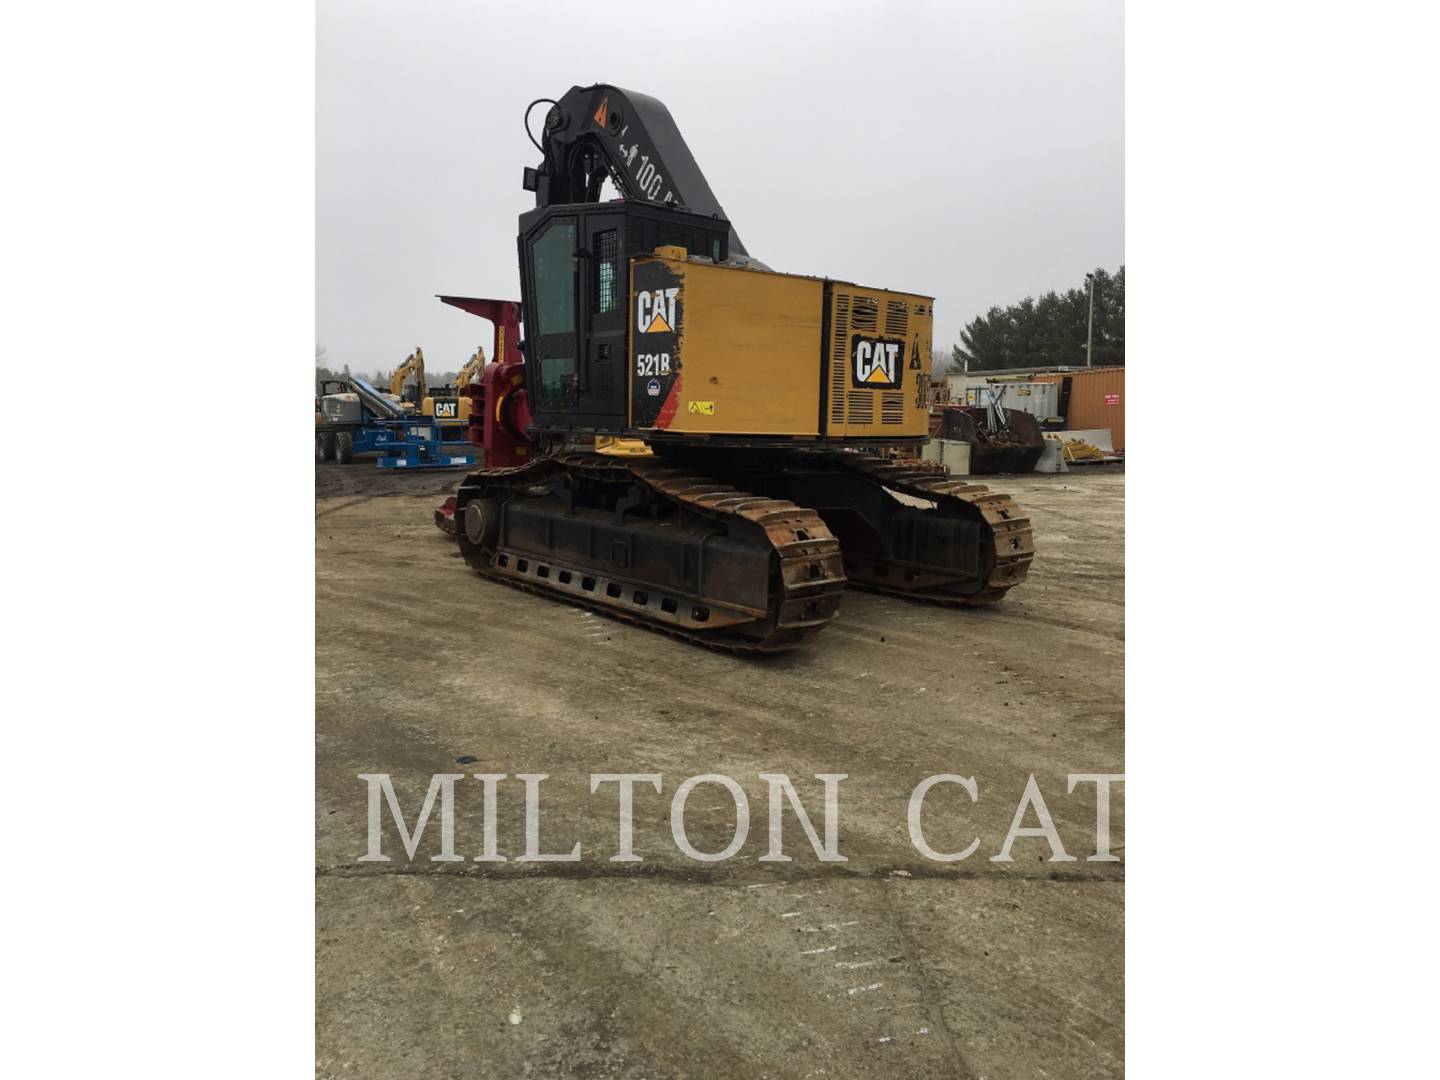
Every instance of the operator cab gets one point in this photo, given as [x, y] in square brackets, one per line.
[575, 287]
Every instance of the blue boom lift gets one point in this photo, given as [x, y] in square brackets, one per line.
[358, 419]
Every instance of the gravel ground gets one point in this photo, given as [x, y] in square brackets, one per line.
[885, 965]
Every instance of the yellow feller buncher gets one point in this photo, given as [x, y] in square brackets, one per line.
[774, 406]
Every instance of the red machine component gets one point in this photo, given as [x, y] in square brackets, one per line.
[499, 413]
[506, 416]
[499, 410]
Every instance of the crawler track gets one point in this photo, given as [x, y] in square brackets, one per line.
[1005, 556]
[656, 545]
[963, 545]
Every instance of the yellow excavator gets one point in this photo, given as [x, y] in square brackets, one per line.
[472, 369]
[452, 410]
[407, 382]
[775, 407]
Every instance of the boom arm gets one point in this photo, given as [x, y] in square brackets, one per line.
[414, 365]
[598, 131]
[472, 369]
[379, 404]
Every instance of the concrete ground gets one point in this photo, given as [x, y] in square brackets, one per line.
[885, 965]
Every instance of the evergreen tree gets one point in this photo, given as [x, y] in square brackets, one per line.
[1048, 332]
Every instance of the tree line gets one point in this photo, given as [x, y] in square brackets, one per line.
[1048, 332]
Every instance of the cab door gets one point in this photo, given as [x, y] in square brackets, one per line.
[605, 304]
[554, 345]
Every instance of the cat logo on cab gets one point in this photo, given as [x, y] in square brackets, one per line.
[655, 311]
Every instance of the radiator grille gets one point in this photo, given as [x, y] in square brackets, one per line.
[866, 318]
[855, 411]
[897, 318]
[839, 358]
[861, 407]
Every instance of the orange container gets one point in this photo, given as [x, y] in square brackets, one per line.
[1097, 399]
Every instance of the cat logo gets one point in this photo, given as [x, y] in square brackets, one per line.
[447, 410]
[655, 311]
[877, 363]
[603, 111]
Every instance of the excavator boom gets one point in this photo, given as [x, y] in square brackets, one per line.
[471, 371]
[411, 371]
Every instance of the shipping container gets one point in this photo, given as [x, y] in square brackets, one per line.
[1096, 399]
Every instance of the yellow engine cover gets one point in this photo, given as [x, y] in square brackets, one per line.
[728, 350]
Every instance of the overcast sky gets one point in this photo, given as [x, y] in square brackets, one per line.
[973, 151]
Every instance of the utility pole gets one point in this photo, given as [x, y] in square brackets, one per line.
[1090, 323]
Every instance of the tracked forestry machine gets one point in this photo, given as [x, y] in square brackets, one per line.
[774, 406]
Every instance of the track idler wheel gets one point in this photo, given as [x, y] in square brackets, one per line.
[481, 523]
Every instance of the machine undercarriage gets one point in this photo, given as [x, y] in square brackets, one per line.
[671, 542]
[657, 544]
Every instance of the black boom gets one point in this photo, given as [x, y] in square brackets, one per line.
[598, 131]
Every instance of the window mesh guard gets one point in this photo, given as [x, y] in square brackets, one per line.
[607, 272]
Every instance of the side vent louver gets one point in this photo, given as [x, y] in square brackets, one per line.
[839, 357]
[892, 407]
[860, 407]
[897, 318]
[867, 315]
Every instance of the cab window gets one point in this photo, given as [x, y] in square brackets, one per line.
[553, 253]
